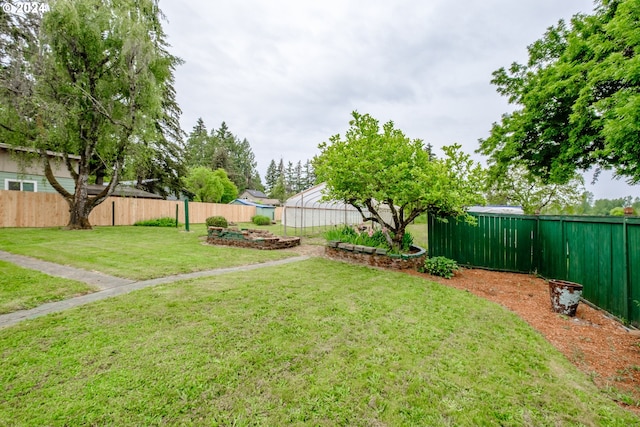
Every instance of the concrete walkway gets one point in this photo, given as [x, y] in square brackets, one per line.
[108, 286]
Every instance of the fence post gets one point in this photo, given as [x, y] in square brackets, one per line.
[177, 215]
[113, 213]
[186, 215]
[626, 291]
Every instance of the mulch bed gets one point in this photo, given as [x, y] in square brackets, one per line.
[595, 342]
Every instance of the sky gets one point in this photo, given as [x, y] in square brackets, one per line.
[286, 74]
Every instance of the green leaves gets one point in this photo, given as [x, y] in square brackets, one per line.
[578, 98]
[391, 178]
[210, 186]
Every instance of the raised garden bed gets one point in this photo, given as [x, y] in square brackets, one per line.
[376, 257]
[247, 238]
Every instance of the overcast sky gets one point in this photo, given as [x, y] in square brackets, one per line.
[286, 74]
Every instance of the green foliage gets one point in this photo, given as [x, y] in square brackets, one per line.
[210, 186]
[578, 98]
[516, 186]
[440, 266]
[261, 220]
[229, 189]
[94, 80]
[221, 149]
[158, 222]
[618, 211]
[366, 236]
[217, 221]
[376, 168]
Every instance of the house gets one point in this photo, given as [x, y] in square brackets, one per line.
[22, 170]
[265, 210]
[123, 191]
[259, 197]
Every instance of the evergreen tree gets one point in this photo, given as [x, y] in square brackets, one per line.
[197, 148]
[309, 175]
[271, 178]
[289, 179]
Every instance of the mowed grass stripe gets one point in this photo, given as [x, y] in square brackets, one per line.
[137, 253]
[22, 289]
[312, 343]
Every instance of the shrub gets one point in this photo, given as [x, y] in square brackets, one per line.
[366, 237]
[440, 266]
[217, 221]
[158, 222]
[261, 220]
[407, 241]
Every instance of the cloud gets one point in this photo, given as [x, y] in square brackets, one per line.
[286, 74]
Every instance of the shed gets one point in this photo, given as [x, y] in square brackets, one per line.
[265, 210]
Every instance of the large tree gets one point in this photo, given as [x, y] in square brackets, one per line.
[577, 98]
[93, 80]
[375, 169]
[520, 187]
[222, 149]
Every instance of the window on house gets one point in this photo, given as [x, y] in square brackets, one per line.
[19, 185]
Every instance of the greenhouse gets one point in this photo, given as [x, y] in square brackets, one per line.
[308, 209]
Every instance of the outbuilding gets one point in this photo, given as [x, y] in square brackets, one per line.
[265, 210]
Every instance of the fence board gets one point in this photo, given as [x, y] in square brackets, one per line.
[25, 209]
[602, 254]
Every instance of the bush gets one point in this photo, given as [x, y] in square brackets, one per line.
[440, 266]
[407, 241]
[261, 220]
[217, 221]
[158, 222]
[366, 237]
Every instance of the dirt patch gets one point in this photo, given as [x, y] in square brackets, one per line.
[597, 344]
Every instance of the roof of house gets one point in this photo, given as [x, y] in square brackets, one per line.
[256, 193]
[122, 191]
[10, 147]
[247, 202]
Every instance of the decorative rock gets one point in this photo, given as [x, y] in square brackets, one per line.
[258, 239]
[378, 257]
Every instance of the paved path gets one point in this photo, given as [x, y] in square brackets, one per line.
[109, 286]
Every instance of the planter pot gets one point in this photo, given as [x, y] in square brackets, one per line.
[565, 296]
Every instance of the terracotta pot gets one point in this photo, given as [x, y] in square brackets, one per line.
[565, 296]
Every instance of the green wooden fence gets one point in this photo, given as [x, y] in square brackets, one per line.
[601, 253]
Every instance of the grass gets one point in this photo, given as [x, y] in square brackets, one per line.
[137, 253]
[311, 343]
[22, 289]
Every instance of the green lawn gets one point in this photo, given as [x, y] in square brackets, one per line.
[312, 343]
[21, 289]
[132, 252]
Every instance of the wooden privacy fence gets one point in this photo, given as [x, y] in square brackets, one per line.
[25, 209]
[600, 253]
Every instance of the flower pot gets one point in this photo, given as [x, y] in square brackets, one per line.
[565, 296]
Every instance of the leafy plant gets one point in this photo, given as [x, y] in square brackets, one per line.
[217, 221]
[440, 266]
[366, 237]
[261, 220]
[158, 222]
